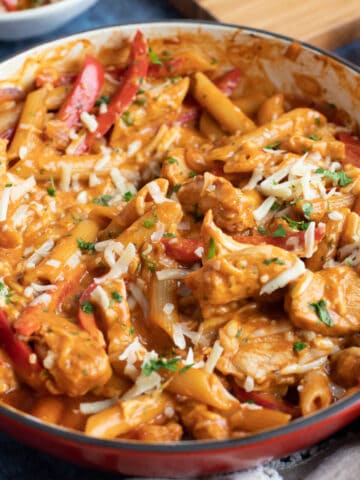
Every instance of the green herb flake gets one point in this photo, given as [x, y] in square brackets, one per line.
[51, 189]
[87, 307]
[169, 235]
[269, 261]
[8, 185]
[317, 121]
[117, 297]
[172, 161]
[150, 264]
[131, 331]
[321, 311]
[102, 99]
[157, 364]
[280, 232]
[307, 208]
[128, 196]
[140, 101]
[103, 200]
[186, 368]
[150, 222]
[263, 230]
[4, 292]
[176, 187]
[314, 138]
[213, 61]
[275, 207]
[86, 245]
[272, 146]
[192, 174]
[126, 118]
[339, 177]
[298, 346]
[300, 226]
[212, 249]
[154, 59]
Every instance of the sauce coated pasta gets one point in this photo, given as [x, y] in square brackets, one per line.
[177, 260]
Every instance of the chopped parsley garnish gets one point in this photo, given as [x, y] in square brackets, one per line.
[154, 58]
[141, 91]
[150, 222]
[169, 235]
[280, 232]
[87, 307]
[157, 364]
[339, 177]
[186, 368]
[131, 331]
[140, 101]
[4, 292]
[128, 196]
[150, 264]
[103, 200]
[86, 245]
[8, 185]
[317, 121]
[213, 61]
[321, 311]
[125, 117]
[212, 249]
[52, 190]
[307, 208]
[300, 226]
[314, 137]
[176, 187]
[275, 207]
[298, 346]
[102, 99]
[272, 146]
[172, 160]
[116, 296]
[262, 230]
[269, 261]
[192, 174]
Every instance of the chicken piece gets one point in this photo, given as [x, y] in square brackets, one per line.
[257, 344]
[327, 302]
[172, 432]
[202, 423]
[231, 209]
[345, 367]
[8, 379]
[247, 273]
[74, 360]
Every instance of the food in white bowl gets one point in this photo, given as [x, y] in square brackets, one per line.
[25, 19]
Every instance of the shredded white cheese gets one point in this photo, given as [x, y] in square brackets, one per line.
[100, 297]
[309, 240]
[284, 278]
[172, 274]
[214, 356]
[89, 121]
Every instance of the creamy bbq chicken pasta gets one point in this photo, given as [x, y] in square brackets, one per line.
[177, 260]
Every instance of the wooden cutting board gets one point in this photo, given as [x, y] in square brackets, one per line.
[325, 23]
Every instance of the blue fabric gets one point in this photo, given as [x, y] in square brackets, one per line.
[16, 460]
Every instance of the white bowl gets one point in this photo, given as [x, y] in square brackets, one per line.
[39, 21]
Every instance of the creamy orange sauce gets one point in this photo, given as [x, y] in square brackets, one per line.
[192, 272]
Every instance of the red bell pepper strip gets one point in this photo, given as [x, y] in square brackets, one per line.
[352, 148]
[136, 71]
[19, 353]
[228, 81]
[86, 319]
[282, 242]
[10, 5]
[83, 93]
[267, 400]
[183, 249]
[29, 320]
